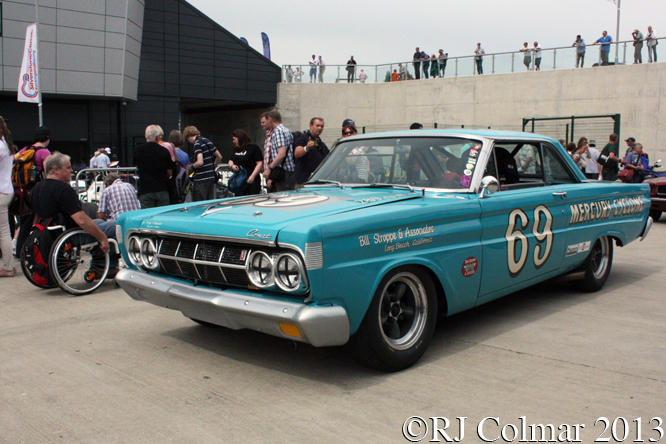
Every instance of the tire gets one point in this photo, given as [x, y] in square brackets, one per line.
[597, 266]
[26, 272]
[655, 215]
[77, 263]
[204, 323]
[399, 323]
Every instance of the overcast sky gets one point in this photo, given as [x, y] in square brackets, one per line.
[387, 31]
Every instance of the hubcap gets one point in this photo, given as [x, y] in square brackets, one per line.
[403, 311]
[599, 257]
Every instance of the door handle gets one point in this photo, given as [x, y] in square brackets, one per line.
[561, 194]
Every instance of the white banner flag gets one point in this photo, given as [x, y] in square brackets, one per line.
[614, 1]
[28, 88]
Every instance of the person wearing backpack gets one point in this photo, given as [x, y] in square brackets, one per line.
[40, 152]
[6, 197]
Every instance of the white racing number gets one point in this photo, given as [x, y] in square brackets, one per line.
[543, 234]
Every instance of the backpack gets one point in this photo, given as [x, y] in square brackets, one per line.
[24, 173]
[36, 251]
[182, 179]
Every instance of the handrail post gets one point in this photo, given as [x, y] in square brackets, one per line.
[624, 54]
[492, 70]
[456, 66]
[513, 56]
[376, 67]
[554, 59]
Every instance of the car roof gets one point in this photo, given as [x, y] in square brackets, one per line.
[485, 133]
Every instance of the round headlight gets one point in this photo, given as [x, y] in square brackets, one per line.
[149, 254]
[260, 269]
[288, 272]
[134, 250]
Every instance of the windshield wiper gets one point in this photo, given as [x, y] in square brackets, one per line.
[324, 182]
[385, 185]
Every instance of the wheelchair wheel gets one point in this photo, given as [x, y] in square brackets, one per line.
[78, 265]
[26, 271]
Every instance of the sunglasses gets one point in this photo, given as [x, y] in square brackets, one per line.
[348, 133]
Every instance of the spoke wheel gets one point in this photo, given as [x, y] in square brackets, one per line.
[597, 266]
[399, 322]
[26, 271]
[78, 264]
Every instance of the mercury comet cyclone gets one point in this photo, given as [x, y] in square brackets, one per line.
[393, 231]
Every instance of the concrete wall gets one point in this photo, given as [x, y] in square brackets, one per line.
[499, 101]
[86, 47]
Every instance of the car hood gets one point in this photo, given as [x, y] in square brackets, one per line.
[261, 217]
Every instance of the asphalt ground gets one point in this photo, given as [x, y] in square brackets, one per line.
[104, 368]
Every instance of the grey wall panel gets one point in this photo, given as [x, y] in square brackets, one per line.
[130, 88]
[47, 55]
[135, 11]
[115, 24]
[133, 46]
[10, 77]
[12, 50]
[80, 58]
[149, 66]
[47, 79]
[113, 85]
[116, 8]
[134, 31]
[91, 6]
[80, 82]
[150, 88]
[18, 12]
[47, 33]
[131, 66]
[80, 20]
[14, 29]
[75, 36]
[113, 40]
[204, 80]
[113, 61]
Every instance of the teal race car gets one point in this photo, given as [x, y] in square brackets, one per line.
[392, 231]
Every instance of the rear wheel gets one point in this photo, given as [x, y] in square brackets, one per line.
[78, 264]
[655, 215]
[597, 266]
[25, 264]
[399, 323]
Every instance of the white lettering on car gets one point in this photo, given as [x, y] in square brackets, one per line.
[543, 234]
[605, 209]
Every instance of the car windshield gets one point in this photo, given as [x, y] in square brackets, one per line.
[428, 162]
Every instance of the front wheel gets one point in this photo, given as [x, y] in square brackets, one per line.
[399, 323]
[655, 215]
[597, 266]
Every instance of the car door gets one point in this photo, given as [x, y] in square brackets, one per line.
[524, 223]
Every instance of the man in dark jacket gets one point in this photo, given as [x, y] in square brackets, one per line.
[309, 151]
[155, 168]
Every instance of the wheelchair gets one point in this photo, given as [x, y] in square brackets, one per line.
[76, 262]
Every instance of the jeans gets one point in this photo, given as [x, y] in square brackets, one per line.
[108, 227]
[350, 75]
[203, 190]
[5, 233]
[417, 70]
[153, 200]
[479, 66]
[652, 54]
[604, 57]
[426, 66]
[580, 57]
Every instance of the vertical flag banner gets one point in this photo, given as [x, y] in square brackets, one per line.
[614, 1]
[28, 87]
[267, 45]
[244, 40]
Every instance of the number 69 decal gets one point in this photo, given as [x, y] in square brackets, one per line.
[518, 222]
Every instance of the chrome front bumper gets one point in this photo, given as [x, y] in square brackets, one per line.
[319, 326]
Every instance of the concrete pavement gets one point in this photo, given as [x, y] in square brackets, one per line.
[104, 368]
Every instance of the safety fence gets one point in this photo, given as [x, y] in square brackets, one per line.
[563, 57]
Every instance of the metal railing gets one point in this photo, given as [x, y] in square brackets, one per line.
[563, 57]
[95, 175]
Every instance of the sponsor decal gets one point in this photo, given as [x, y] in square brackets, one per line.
[379, 199]
[465, 180]
[255, 233]
[473, 153]
[605, 209]
[470, 266]
[578, 248]
[472, 161]
[469, 166]
[468, 172]
[291, 200]
[398, 240]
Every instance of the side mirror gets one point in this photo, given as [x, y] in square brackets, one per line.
[489, 185]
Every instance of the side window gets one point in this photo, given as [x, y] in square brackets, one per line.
[555, 170]
[529, 162]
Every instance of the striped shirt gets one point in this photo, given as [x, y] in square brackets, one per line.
[118, 198]
[268, 155]
[207, 149]
[282, 137]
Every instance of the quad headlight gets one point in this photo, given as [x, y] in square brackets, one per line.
[288, 272]
[260, 269]
[149, 254]
[134, 250]
[284, 271]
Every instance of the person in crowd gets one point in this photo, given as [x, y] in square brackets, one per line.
[206, 159]
[478, 59]
[309, 151]
[579, 155]
[634, 162]
[652, 42]
[6, 197]
[313, 69]
[605, 41]
[609, 159]
[592, 161]
[630, 146]
[170, 148]
[402, 72]
[103, 160]
[118, 197]
[579, 43]
[417, 63]
[442, 58]
[425, 63]
[356, 159]
[177, 140]
[41, 141]
[93, 159]
[289, 74]
[536, 49]
[638, 46]
[155, 167]
[81, 165]
[298, 75]
[434, 66]
[282, 153]
[395, 76]
[526, 158]
[247, 155]
[268, 153]
[322, 68]
[527, 55]
[415, 126]
[351, 69]
[363, 76]
[571, 149]
[54, 196]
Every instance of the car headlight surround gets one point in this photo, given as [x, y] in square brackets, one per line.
[134, 250]
[259, 269]
[149, 254]
[288, 272]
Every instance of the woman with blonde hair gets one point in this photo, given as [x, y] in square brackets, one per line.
[6, 197]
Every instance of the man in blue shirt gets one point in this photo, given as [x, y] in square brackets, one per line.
[605, 41]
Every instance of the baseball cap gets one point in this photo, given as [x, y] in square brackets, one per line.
[348, 122]
[42, 131]
[108, 150]
[631, 139]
